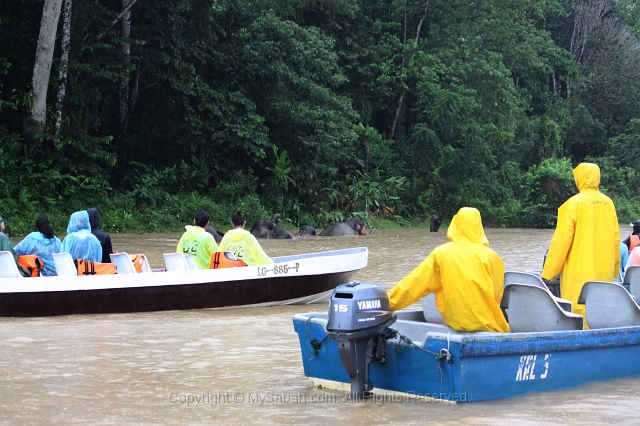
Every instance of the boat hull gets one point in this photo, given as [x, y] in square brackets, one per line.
[483, 365]
[294, 279]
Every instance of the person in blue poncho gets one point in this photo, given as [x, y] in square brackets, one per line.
[80, 243]
[43, 243]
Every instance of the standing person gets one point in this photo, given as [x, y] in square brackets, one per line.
[42, 243]
[197, 241]
[103, 237]
[79, 242]
[5, 245]
[586, 242]
[242, 244]
[634, 238]
[466, 276]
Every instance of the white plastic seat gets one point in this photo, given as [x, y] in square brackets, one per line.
[632, 279]
[64, 264]
[123, 263]
[532, 279]
[533, 308]
[191, 262]
[8, 267]
[608, 305]
[175, 262]
[430, 311]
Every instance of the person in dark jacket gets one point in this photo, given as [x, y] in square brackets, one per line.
[103, 237]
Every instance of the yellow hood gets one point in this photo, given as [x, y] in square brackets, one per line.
[587, 175]
[466, 227]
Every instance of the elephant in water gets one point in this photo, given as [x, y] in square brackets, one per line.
[277, 233]
[350, 226]
[306, 231]
[217, 235]
[436, 220]
[267, 224]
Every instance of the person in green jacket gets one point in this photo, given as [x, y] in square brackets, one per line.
[242, 244]
[197, 241]
[5, 245]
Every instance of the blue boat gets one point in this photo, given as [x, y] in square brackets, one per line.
[426, 361]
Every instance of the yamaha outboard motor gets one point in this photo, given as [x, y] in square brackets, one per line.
[359, 317]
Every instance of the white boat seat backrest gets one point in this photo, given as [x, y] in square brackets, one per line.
[64, 264]
[8, 267]
[532, 279]
[632, 279]
[431, 313]
[608, 305]
[175, 262]
[123, 263]
[191, 262]
[533, 309]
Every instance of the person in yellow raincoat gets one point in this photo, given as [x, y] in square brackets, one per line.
[586, 243]
[242, 244]
[466, 276]
[197, 241]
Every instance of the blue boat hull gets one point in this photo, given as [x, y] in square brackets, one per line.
[483, 365]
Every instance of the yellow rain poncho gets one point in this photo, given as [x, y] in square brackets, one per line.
[245, 247]
[198, 242]
[466, 276]
[586, 243]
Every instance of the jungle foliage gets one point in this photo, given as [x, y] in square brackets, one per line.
[320, 109]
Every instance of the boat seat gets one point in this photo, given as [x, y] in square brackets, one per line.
[64, 264]
[532, 279]
[533, 308]
[123, 263]
[608, 305]
[632, 281]
[430, 311]
[8, 267]
[175, 262]
[191, 262]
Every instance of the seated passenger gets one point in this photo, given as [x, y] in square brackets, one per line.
[103, 237]
[242, 244]
[197, 241]
[42, 243]
[466, 276]
[5, 245]
[624, 258]
[79, 242]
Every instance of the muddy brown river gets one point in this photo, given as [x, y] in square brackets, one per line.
[243, 366]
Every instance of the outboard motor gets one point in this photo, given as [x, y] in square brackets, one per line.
[359, 317]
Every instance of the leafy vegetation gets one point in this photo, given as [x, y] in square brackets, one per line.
[391, 110]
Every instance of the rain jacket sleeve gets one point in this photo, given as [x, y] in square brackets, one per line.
[416, 285]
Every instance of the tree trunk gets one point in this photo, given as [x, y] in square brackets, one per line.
[64, 62]
[126, 51]
[36, 118]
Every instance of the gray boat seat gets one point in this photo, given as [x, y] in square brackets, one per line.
[8, 267]
[123, 263]
[608, 305]
[64, 265]
[431, 313]
[632, 280]
[533, 308]
[532, 279]
[191, 262]
[175, 262]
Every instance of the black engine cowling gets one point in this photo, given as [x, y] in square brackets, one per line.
[359, 317]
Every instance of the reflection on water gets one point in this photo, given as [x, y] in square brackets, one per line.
[241, 366]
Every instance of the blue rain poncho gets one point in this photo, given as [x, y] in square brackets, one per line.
[80, 243]
[43, 247]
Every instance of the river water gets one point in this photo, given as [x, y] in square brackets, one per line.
[244, 366]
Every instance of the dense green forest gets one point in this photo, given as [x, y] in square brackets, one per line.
[316, 109]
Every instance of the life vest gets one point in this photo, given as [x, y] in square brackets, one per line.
[138, 261]
[220, 260]
[32, 262]
[87, 267]
[634, 240]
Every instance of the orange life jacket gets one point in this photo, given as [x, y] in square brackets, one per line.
[87, 267]
[138, 261]
[32, 262]
[634, 240]
[220, 260]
